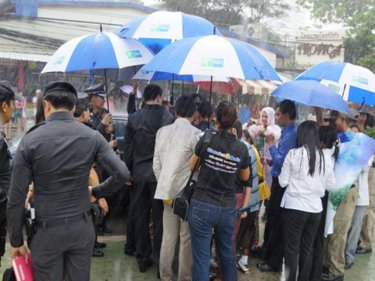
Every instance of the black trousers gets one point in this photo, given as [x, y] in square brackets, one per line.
[141, 203]
[63, 252]
[3, 226]
[318, 247]
[130, 244]
[299, 231]
[273, 239]
[247, 231]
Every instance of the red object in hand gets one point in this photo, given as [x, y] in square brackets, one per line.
[23, 269]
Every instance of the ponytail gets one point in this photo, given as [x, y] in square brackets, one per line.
[335, 154]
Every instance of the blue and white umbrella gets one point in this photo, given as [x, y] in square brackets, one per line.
[164, 76]
[354, 83]
[161, 28]
[213, 56]
[311, 93]
[103, 50]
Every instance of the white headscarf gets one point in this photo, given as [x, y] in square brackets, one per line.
[271, 126]
[271, 115]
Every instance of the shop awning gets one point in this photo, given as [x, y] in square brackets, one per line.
[257, 87]
[24, 57]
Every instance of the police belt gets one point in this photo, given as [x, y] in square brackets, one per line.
[63, 221]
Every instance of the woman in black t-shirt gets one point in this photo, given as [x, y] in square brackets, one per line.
[213, 205]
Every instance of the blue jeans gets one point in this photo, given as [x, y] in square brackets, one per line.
[202, 218]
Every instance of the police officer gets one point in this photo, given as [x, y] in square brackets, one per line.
[100, 118]
[6, 111]
[57, 156]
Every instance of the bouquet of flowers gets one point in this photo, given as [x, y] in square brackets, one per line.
[258, 134]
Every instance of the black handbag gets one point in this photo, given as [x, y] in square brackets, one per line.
[181, 201]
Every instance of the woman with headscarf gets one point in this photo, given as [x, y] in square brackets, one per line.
[258, 133]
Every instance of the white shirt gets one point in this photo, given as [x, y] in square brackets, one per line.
[304, 192]
[174, 147]
[362, 185]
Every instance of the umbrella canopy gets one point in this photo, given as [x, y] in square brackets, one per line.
[161, 28]
[311, 93]
[142, 74]
[103, 50]
[221, 85]
[231, 86]
[354, 83]
[213, 56]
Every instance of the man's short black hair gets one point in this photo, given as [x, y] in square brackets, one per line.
[288, 107]
[81, 106]
[61, 95]
[152, 92]
[185, 106]
[6, 92]
[205, 109]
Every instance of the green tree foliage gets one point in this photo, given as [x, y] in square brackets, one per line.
[336, 10]
[360, 42]
[230, 12]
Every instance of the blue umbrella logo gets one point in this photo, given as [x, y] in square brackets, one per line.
[213, 63]
[360, 79]
[160, 28]
[134, 54]
[58, 60]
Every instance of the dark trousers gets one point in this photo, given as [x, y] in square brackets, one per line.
[247, 233]
[3, 226]
[130, 245]
[299, 230]
[63, 252]
[318, 246]
[273, 239]
[142, 202]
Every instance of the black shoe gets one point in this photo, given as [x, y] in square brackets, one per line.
[144, 264]
[130, 252]
[256, 252]
[349, 266]
[104, 229]
[361, 250]
[97, 253]
[330, 277]
[265, 267]
[100, 245]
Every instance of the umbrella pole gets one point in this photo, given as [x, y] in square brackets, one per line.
[210, 89]
[171, 99]
[106, 87]
[343, 91]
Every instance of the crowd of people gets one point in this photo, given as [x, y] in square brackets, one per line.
[66, 166]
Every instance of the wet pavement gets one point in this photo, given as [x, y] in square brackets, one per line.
[115, 266]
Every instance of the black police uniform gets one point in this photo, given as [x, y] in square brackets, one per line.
[4, 186]
[96, 118]
[57, 158]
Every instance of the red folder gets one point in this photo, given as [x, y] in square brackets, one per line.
[22, 269]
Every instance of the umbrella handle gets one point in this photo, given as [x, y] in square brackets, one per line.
[106, 88]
